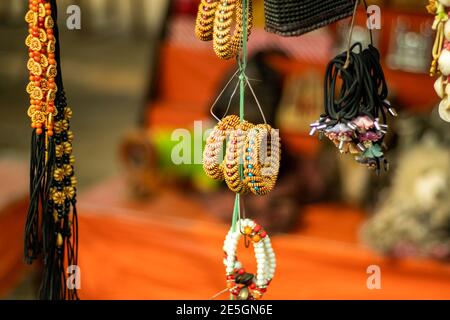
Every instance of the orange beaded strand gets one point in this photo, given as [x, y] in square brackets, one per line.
[42, 66]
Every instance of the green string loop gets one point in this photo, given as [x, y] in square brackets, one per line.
[242, 62]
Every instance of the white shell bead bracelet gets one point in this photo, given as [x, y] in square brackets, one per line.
[243, 285]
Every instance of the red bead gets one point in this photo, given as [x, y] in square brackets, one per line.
[257, 228]
[252, 286]
[241, 271]
[230, 277]
[263, 234]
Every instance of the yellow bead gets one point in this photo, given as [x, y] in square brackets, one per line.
[247, 230]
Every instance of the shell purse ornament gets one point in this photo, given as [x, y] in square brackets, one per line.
[440, 65]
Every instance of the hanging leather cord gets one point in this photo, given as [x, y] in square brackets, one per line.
[362, 88]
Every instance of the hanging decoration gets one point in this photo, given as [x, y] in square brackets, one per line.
[356, 108]
[244, 285]
[251, 161]
[215, 20]
[293, 17]
[51, 224]
[440, 65]
[246, 145]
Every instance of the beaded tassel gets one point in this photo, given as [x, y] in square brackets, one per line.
[51, 225]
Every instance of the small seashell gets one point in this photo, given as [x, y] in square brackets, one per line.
[439, 87]
[444, 110]
[445, 2]
[447, 30]
[243, 294]
[444, 62]
[447, 89]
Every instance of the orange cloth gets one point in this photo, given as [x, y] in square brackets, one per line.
[147, 253]
[13, 209]
[12, 265]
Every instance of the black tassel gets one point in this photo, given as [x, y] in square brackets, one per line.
[32, 246]
[51, 229]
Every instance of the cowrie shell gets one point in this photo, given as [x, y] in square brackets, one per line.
[447, 89]
[447, 30]
[444, 62]
[445, 2]
[444, 110]
[439, 87]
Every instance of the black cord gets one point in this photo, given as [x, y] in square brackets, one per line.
[356, 89]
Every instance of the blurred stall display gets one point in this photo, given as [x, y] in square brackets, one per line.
[294, 18]
[146, 156]
[102, 16]
[139, 158]
[406, 4]
[414, 217]
[359, 34]
[409, 50]
[302, 101]
[440, 65]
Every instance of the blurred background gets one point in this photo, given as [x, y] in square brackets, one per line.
[150, 229]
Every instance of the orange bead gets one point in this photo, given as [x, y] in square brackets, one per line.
[256, 238]
[50, 133]
[247, 230]
[38, 131]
